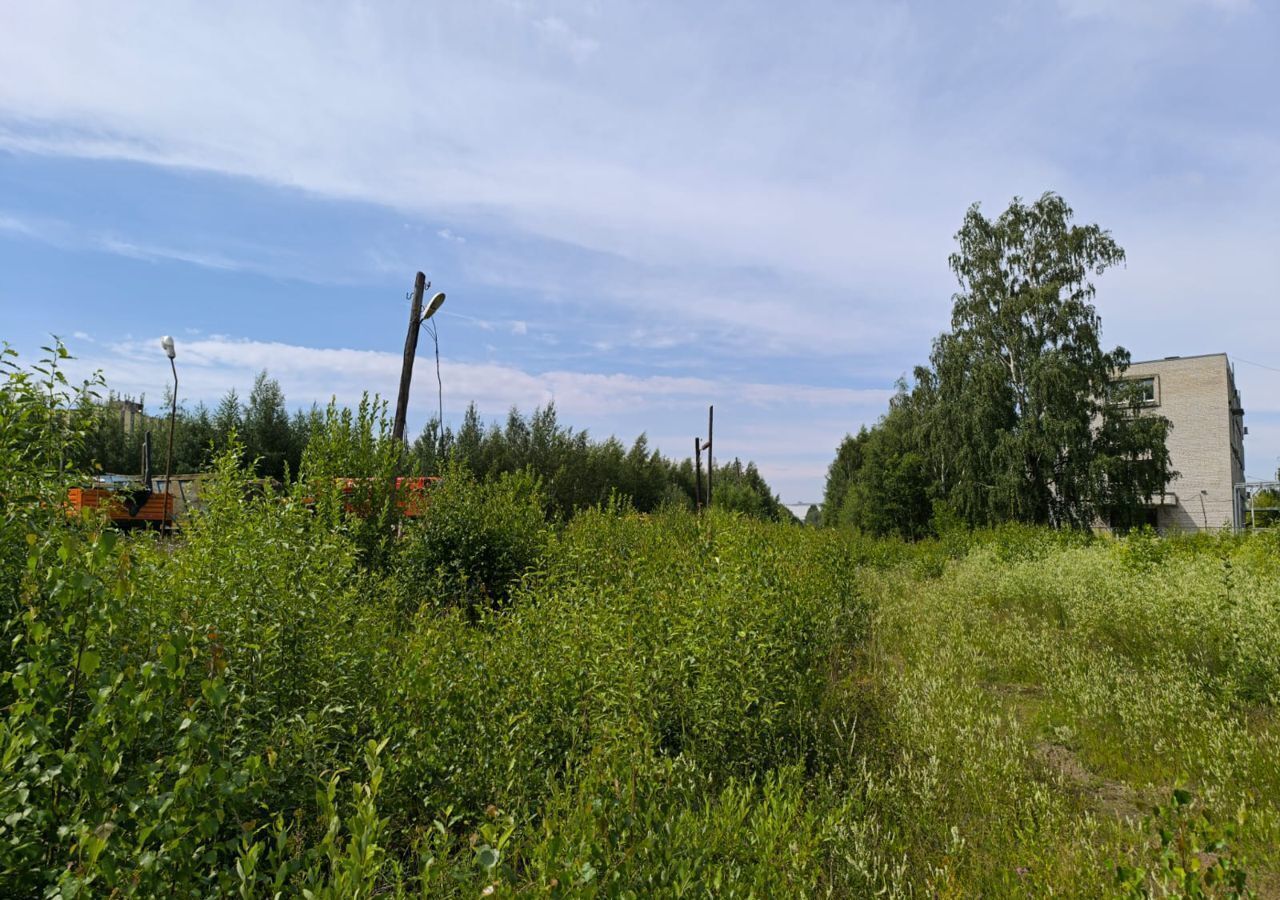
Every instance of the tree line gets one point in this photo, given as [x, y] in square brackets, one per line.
[1019, 415]
[262, 425]
[577, 471]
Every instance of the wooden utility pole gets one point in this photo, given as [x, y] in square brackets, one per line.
[697, 473]
[711, 428]
[410, 350]
[699, 445]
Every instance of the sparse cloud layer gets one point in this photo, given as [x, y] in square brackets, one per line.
[621, 200]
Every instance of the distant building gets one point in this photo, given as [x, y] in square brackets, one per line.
[1198, 395]
[130, 411]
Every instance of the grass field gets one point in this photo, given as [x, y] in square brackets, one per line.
[1042, 699]
[631, 705]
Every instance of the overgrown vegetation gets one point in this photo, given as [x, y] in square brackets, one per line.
[292, 700]
[576, 470]
[579, 472]
[1048, 693]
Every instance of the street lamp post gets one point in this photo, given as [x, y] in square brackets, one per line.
[430, 311]
[167, 343]
[417, 317]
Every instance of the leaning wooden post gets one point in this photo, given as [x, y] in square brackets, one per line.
[410, 350]
[711, 466]
[697, 473]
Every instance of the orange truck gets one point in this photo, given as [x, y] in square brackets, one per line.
[411, 495]
[128, 502]
[126, 507]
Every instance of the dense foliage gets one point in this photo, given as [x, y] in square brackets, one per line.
[268, 437]
[1020, 415]
[477, 542]
[576, 471]
[184, 718]
[290, 700]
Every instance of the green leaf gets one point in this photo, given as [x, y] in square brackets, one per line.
[89, 661]
[487, 857]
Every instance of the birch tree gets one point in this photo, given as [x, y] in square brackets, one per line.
[1018, 423]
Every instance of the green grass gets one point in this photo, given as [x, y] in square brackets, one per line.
[1042, 706]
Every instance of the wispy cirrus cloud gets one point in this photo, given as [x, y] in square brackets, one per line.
[557, 32]
[666, 190]
[1150, 11]
[154, 252]
[837, 161]
[213, 364]
[15, 225]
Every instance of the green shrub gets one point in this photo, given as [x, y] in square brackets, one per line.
[120, 760]
[44, 418]
[473, 543]
[1195, 857]
[644, 634]
[348, 476]
[274, 584]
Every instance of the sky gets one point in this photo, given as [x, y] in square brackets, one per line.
[635, 209]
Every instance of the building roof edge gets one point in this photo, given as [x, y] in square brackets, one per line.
[1143, 362]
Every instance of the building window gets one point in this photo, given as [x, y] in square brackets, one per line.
[1139, 391]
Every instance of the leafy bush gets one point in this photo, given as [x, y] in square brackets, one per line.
[43, 422]
[273, 583]
[1195, 855]
[348, 475]
[120, 759]
[473, 543]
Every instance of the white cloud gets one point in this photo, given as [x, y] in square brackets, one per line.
[839, 161]
[516, 327]
[824, 160]
[64, 234]
[1147, 11]
[212, 365]
[16, 225]
[557, 32]
[152, 253]
[468, 122]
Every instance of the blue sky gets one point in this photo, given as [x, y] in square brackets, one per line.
[635, 209]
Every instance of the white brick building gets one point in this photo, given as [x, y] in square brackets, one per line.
[1198, 395]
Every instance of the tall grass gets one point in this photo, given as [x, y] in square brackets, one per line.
[1039, 701]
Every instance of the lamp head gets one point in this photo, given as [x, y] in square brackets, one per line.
[167, 343]
[433, 306]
